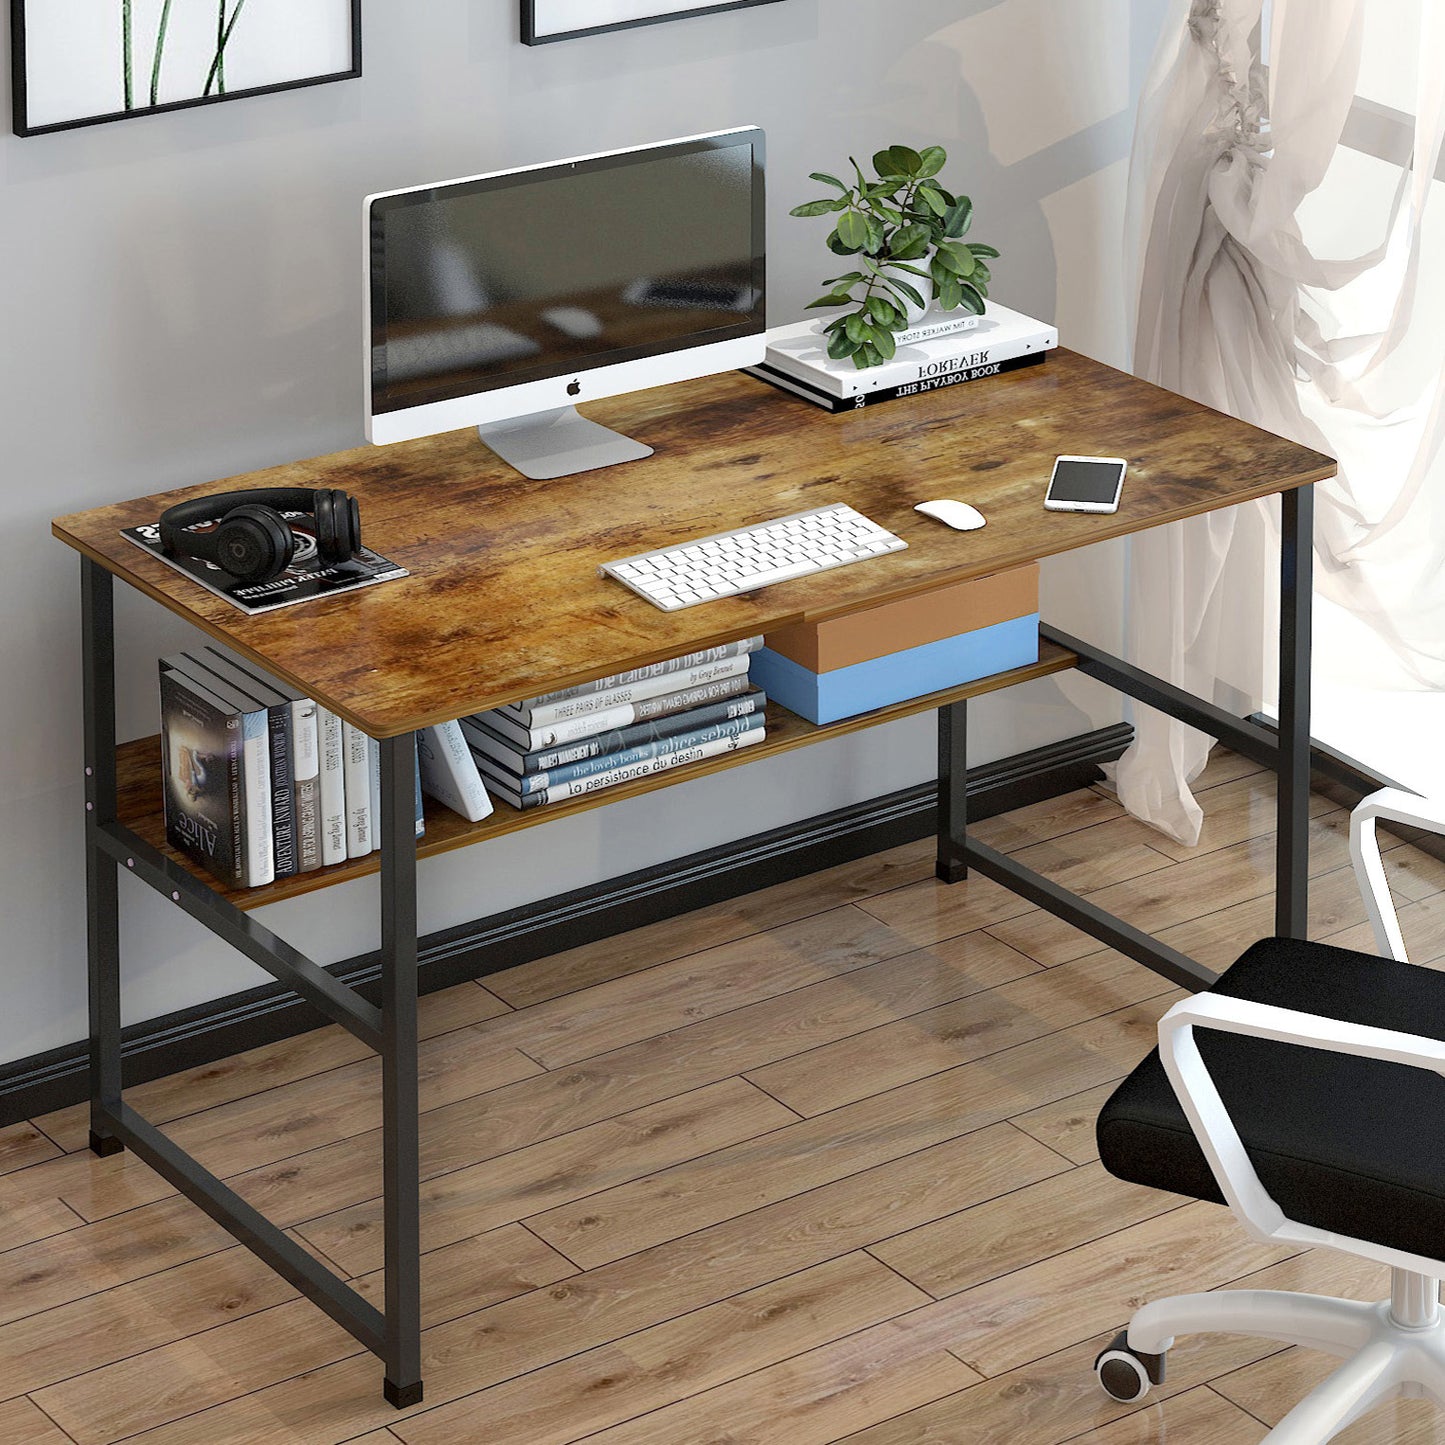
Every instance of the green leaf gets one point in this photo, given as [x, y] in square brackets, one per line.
[903, 161]
[857, 329]
[904, 289]
[851, 279]
[841, 345]
[894, 218]
[971, 298]
[897, 265]
[839, 247]
[837, 324]
[865, 357]
[979, 249]
[950, 292]
[886, 164]
[817, 208]
[853, 230]
[827, 180]
[934, 159]
[876, 236]
[883, 342]
[838, 299]
[964, 262]
[934, 202]
[959, 262]
[957, 218]
[909, 243]
[881, 310]
[981, 276]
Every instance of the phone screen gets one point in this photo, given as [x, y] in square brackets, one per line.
[1076, 481]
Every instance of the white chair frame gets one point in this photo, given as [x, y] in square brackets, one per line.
[1396, 1347]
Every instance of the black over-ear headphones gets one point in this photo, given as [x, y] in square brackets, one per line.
[253, 542]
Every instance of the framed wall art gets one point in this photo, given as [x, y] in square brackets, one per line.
[544, 21]
[84, 62]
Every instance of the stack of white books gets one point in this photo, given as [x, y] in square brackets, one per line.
[927, 360]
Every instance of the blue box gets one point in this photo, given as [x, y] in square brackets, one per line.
[826, 697]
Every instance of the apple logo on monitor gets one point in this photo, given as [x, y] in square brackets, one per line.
[574, 388]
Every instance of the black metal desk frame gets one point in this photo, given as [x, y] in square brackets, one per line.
[394, 1333]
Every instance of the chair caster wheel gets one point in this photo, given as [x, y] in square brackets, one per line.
[1125, 1374]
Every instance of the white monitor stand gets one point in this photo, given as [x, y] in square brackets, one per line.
[561, 443]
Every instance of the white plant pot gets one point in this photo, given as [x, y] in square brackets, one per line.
[922, 284]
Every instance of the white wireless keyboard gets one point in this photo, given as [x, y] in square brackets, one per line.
[736, 562]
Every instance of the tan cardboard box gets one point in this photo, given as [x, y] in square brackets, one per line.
[913, 622]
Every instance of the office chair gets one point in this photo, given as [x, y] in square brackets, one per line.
[1304, 1089]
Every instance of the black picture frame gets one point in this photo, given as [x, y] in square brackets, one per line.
[530, 35]
[19, 83]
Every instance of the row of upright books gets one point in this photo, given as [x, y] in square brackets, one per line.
[599, 734]
[261, 783]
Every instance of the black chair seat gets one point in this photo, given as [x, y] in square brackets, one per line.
[1351, 1145]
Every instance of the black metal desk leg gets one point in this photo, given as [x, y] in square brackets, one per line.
[97, 626]
[1292, 859]
[952, 865]
[400, 1102]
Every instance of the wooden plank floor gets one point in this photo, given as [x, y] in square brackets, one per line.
[810, 1166]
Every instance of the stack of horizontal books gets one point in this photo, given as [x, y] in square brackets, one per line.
[617, 729]
[944, 349]
[261, 783]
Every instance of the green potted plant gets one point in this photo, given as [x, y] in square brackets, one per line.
[907, 232]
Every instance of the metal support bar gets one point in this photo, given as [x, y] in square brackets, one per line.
[250, 1228]
[1132, 942]
[952, 864]
[401, 1148]
[1249, 739]
[97, 627]
[340, 1003]
[1296, 589]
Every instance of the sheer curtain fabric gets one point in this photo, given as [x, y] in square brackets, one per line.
[1245, 305]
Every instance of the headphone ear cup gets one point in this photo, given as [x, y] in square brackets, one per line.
[351, 509]
[338, 525]
[254, 544]
[333, 513]
[323, 515]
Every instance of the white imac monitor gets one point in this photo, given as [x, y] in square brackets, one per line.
[500, 301]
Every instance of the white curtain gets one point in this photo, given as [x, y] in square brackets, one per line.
[1244, 305]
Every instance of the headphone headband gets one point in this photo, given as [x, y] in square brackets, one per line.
[175, 520]
[252, 540]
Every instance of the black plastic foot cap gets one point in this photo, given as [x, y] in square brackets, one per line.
[951, 872]
[104, 1145]
[403, 1396]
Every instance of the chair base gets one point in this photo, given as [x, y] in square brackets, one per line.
[1383, 1358]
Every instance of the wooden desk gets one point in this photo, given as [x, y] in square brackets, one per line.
[504, 602]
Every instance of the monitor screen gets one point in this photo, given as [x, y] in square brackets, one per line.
[516, 278]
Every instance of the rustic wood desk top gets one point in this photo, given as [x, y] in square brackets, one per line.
[504, 600]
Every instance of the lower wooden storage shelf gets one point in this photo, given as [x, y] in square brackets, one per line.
[140, 807]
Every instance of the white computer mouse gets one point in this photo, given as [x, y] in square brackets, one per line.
[958, 515]
[574, 321]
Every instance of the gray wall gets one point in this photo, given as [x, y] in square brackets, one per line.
[180, 299]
